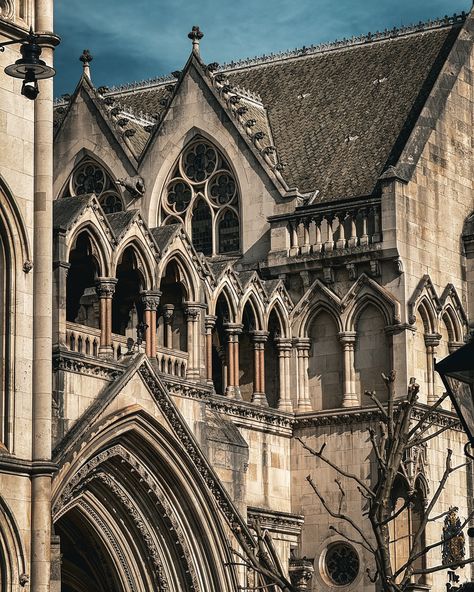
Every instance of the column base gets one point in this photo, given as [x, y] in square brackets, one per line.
[351, 400]
[106, 351]
[304, 406]
[260, 399]
[193, 375]
[233, 392]
[285, 406]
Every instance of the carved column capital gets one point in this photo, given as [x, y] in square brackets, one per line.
[191, 312]
[105, 287]
[302, 344]
[150, 299]
[210, 322]
[233, 328]
[432, 339]
[301, 573]
[259, 337]
[283, 344]
[347, 337]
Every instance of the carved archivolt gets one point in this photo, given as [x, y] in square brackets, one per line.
[7, 9]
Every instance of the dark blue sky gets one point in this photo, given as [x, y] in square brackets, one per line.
[140, 39]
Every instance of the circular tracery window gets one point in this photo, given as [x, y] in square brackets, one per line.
[341, 564]
[203, 193]
[90, 177]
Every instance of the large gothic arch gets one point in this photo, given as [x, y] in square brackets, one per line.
[144, 507]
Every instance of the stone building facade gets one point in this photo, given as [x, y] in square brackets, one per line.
[238, 253]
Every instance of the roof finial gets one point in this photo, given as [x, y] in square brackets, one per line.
[86, 58]
[196, 35]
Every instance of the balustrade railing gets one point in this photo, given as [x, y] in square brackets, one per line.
[86, 340]
[82, 339]
[172, 362]
[329, 231]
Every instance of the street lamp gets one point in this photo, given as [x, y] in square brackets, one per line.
[457, 374]
[29, 68]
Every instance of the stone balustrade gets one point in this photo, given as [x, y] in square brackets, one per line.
[82, 339]
[324, 230]
[172, 362]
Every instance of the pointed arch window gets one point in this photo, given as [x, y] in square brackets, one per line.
[203, 194]
[90, 177]
[201, 228]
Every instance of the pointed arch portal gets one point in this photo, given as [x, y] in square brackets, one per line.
[136, 517]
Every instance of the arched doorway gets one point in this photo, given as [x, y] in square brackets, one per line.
[135, 515]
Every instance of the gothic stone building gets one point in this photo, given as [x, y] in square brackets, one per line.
[238, 253]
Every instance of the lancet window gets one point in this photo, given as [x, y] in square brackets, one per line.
[203, 194]
[90, 177]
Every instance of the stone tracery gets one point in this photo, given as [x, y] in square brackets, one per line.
[203, 195]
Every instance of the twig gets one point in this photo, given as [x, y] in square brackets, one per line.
[335, 467]
[339, 515]
[348, 538]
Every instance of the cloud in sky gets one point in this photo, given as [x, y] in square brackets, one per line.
[147, 38]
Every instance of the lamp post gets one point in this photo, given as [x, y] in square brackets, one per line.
[29, 68]
[457, 374]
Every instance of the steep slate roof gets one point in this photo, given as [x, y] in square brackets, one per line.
[338, 114]
[66, 210]
[119, 221]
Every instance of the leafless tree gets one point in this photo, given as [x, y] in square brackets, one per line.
[391, 442]
[261, 558]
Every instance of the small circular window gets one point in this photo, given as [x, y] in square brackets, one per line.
[341, 564]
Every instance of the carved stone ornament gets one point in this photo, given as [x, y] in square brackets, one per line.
[7, 9]
[105, 287]
[454, 542]
[27, 266]
[301, 573]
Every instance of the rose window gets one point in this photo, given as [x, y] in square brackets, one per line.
[202, 194]
[200, 162]
[342, 564]
[90, 177]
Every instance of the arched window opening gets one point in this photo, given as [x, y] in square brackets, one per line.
[127, 307]
[203, 193]
[421, 360]
[90, 177]
[372, 354]
[325, 363]
[201, 228]
[82, 302]
[219, 346]
[403, 528]
[272, 370]
[246, 353]
[229, 233]
[442, 350]
[172, 326]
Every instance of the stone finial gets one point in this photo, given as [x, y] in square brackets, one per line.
[86, 58]
[196, 35]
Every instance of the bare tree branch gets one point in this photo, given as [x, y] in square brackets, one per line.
[351, 540]
[339, 515]
[335, 467]
[419, 425]
[441, 567]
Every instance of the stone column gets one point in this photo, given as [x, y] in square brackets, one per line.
[168, 312]
[284, 356]
[210, 323]
[348, 340]
[259, 338]
[151, 300]
[41, 412]
[60, 272]
[303, 345]
[233, 331]
[105, 290]
[431, 342]
[191, 311]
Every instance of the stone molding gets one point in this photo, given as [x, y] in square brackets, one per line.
[79, 364]
[281, 522]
